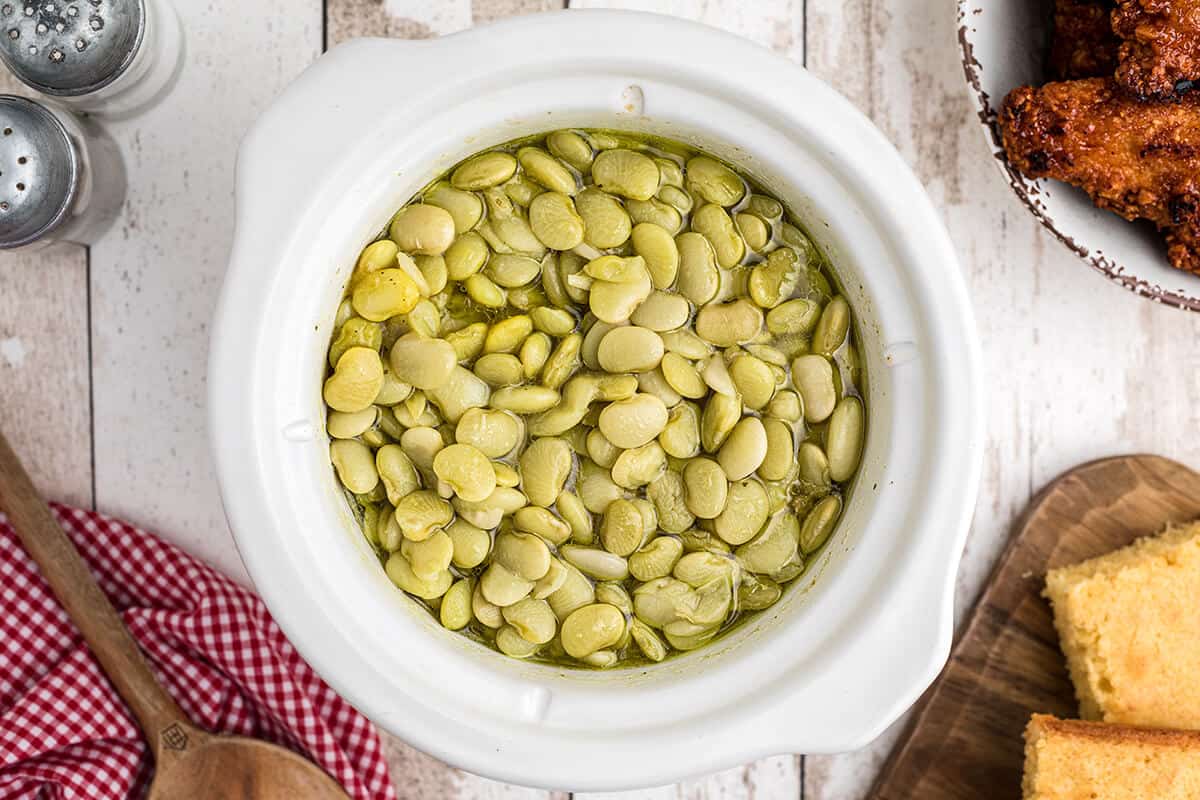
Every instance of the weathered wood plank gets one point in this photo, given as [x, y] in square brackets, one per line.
[1008, 662]
[415, 19]
[45, 383]
[157, 274]
[1078, 367]
[45, 372]
[483, 11]
[418, 776]
[775, 778]
[778, 24]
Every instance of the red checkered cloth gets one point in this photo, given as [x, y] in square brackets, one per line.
[64, 732]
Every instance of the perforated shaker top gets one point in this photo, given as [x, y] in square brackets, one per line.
[70, 47]
[39, 171]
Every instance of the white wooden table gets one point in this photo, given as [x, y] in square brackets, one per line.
[103, 353]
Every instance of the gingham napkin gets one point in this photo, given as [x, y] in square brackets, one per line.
[64, 732]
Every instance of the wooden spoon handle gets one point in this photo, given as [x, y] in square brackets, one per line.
[87, 606]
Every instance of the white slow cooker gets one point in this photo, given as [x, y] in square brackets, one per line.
[850, 646]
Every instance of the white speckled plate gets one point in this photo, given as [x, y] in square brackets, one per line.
[1003, 47]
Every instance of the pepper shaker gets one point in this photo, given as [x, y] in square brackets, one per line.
[61, 178]
[109, 57]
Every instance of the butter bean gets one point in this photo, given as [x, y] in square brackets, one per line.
[543, 523]
[630, 349]
[745, 512]
[698, 278]
[455, 611]
[714, 181]
[812, 375]
[532, 619]
[465, 256]
[706, 488]
[744, 449]
[380, 295]
[832, 327]
[525, 399]
[591, 628]
[571, 148]
[511, 270]
[606, 223]
[466, 208]
[844, 438]
[545, 466]
[484, 170]
[662, 311]
[681, 436]
[522, 554]
[819, 523]
[622, 531]
[471, 544]
[354, 465]
[595, 563]
[754, 231]
[355, 382]
[777, 462]
[626, 173]
[726, 324]
[401, 574]
[657, 559]
[422, 230]
[546, 170]
[714, 224]
[424, 363]
[422, 512]
[754, 381]
[466, 470]
[633, 422]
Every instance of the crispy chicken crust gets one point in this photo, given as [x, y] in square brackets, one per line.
[1160, 54]
[1083, 45]
[1139, 160]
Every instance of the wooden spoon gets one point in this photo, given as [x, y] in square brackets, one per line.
[191, 763]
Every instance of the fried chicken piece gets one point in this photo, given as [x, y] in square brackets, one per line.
[1083, 45]
[1141, 160]
[1160, 54]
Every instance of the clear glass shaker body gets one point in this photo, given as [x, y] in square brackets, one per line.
[112, 58]
[61, 177]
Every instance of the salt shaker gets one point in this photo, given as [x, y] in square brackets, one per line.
[108, 57]
[61, 178]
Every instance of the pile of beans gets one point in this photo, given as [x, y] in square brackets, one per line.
[593, 398]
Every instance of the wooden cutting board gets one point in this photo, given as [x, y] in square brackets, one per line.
[965, 738]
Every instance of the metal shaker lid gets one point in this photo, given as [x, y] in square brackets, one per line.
[39, 171]
[70, 47]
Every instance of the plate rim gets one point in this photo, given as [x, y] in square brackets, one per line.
[987, 115]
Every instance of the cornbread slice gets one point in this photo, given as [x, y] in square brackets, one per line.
[1129, 623]
[1074, 760]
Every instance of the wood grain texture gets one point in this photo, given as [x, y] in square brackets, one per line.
[775, 778]
[45, 366]
[189, 763]
[779, 25]
[1077, 367]
[78, 592]
[416, 775]
[238, 768]
[965, 740]
[157, 274]
[45, 382]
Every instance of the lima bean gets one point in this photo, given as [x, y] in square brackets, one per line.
[612, 299]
